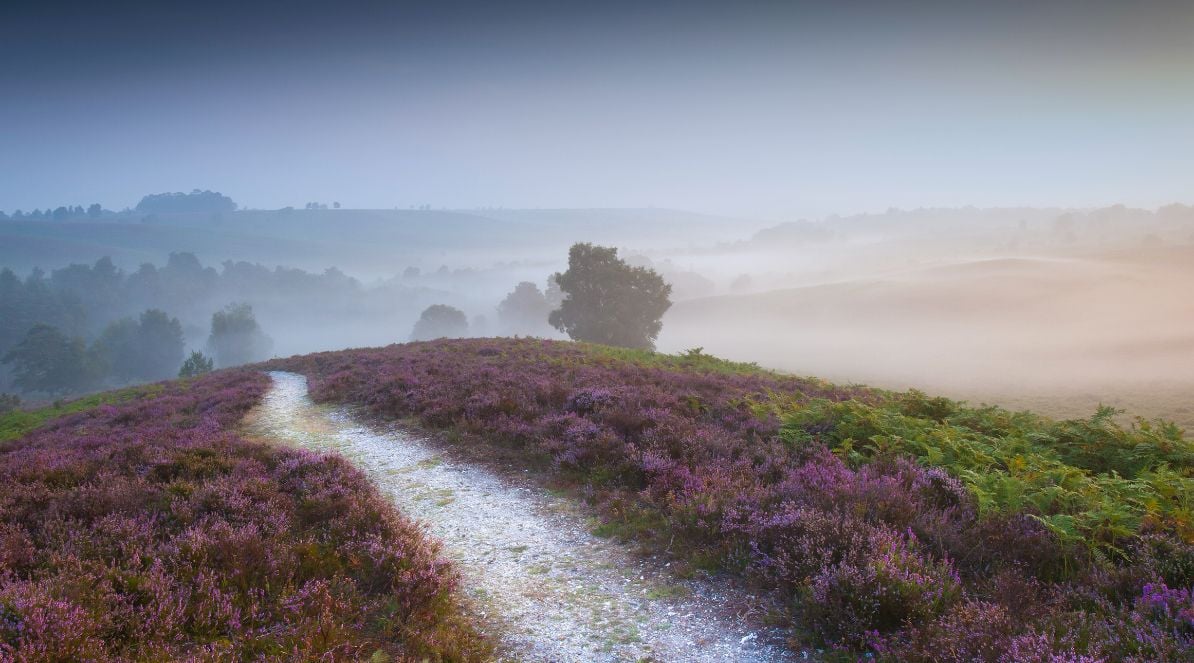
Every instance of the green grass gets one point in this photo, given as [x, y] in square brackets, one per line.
[17, 423]
[694, 359]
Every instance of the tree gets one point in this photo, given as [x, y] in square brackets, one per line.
[195, 201]
[335, 205]
[118, 350]
[236, 338]
[607, 301]
[47, 361]
[94, 210]
[160, 340]
[524, 311]
[552, 293]
[197, 364]
[440, 321]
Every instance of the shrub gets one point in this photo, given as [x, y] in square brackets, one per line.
[895, 524]
[147, 529]
[890, 585]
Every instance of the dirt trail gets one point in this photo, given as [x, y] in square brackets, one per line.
[546, 587]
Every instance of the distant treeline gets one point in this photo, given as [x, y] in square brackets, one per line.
[134, 326]
[211, 202]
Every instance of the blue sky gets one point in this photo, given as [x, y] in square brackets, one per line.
[763, 109]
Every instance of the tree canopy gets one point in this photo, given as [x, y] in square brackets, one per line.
[197, 364]
[48, 361]
[440, 321]
[524, 311]
[607, 301]
[195, 201]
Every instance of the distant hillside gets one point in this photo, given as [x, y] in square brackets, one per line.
[362, 242]
[1061, 334]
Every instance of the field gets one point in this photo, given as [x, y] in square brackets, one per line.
[147, 529]
[909, 527]
[893, 525]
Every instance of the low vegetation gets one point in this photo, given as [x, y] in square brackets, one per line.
[896, 525]
[146, 529]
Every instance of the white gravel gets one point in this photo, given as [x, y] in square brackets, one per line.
[545, 587]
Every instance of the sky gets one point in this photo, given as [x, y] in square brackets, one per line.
[761, 109]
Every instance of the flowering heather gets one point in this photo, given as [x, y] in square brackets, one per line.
[148, 530]
[879, 544]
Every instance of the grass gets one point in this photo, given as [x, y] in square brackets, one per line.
[17, 423]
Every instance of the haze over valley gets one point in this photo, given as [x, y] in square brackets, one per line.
[616, 332]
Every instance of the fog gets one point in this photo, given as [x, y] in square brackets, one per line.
[979, 200]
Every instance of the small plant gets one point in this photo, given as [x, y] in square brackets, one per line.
[892, 585]
[195, 365]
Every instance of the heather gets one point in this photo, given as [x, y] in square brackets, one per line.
[146, 528]
[896, 525]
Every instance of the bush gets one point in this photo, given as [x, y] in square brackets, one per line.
[889, 586]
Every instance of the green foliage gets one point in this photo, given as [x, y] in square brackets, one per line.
[16, 423]
[1090, 481]
[607, 301]
[145, 349]
[197, 364]
[48, 361]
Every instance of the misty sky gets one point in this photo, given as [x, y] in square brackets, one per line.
[765, 109]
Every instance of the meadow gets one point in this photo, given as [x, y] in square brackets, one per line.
[139, 525]
[892, 525]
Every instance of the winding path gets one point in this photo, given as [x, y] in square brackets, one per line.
[543, 584]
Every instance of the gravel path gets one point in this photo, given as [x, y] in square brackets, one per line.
[543, 584]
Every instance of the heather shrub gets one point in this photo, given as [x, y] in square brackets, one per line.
[970, 631]
[888, 585]
[147, 529]
[899, 525]
[797, 543]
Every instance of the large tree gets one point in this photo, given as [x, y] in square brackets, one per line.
[146, 349]
[607, 301]
[161, 343]
[48, 361]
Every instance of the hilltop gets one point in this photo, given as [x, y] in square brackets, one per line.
[911, 526]
[906, 526]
